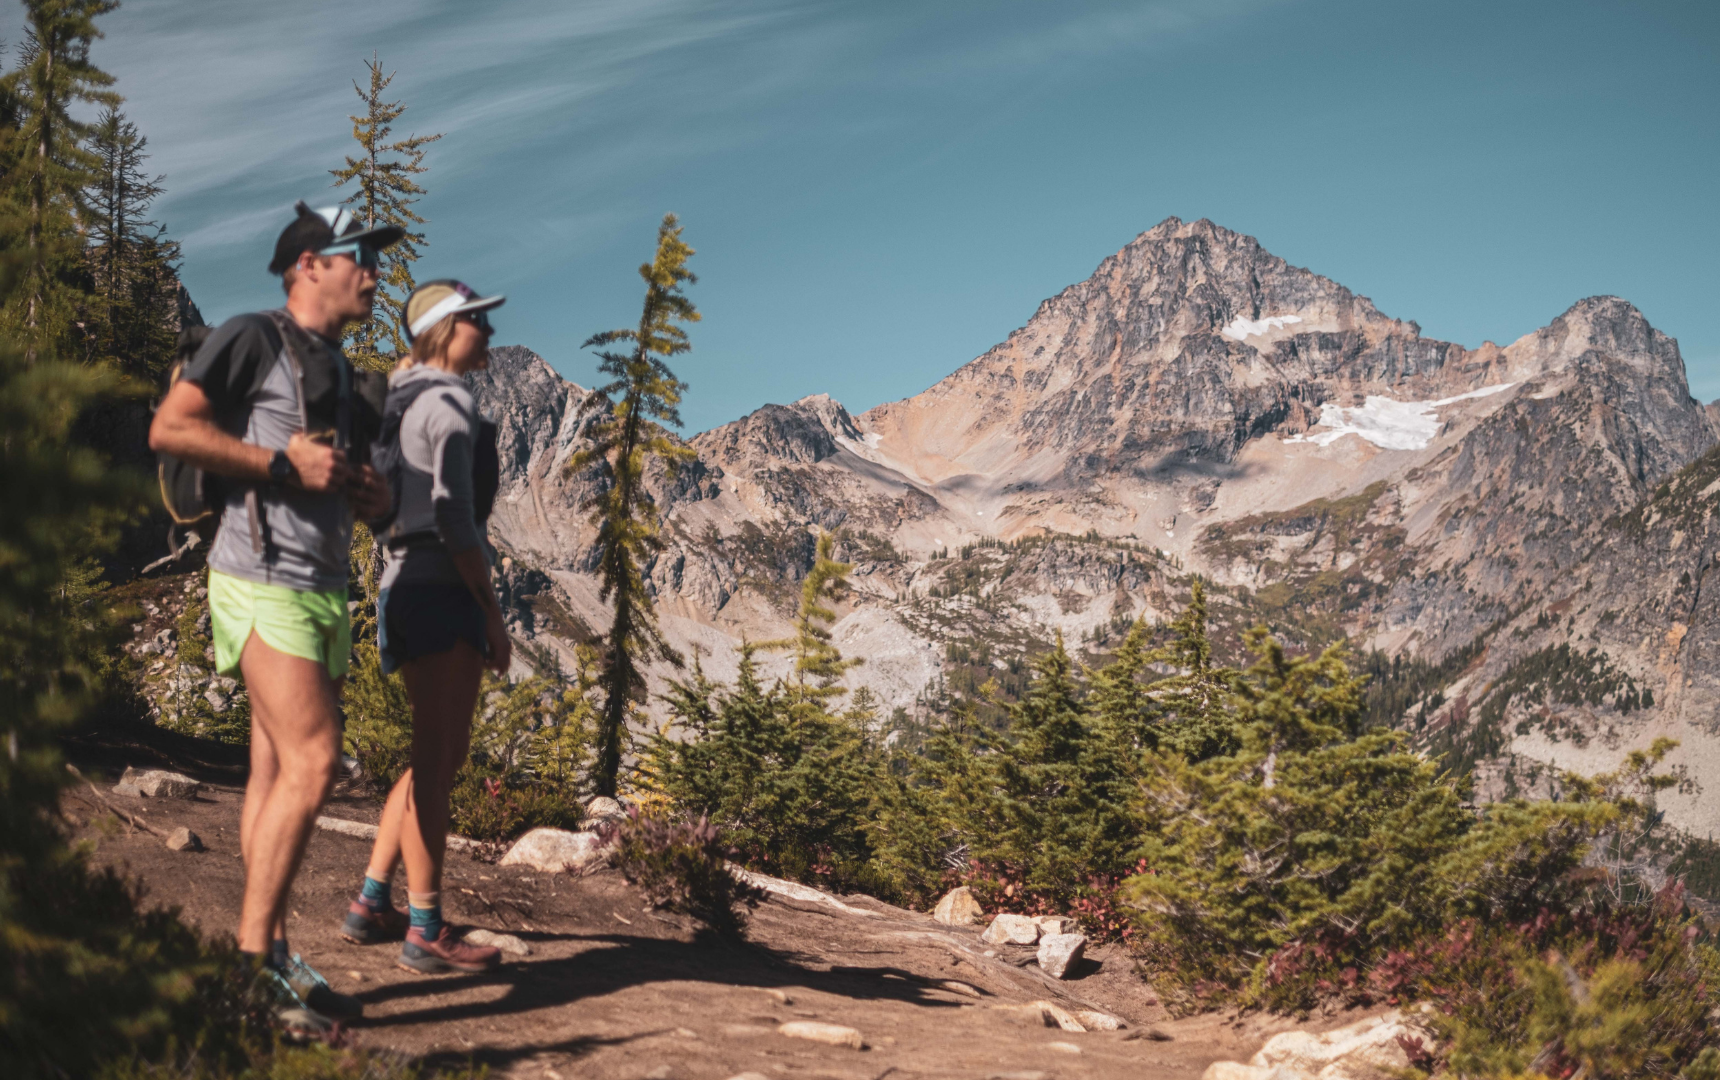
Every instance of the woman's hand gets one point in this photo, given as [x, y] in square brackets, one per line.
[496, 633]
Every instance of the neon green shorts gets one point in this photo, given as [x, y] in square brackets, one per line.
[312, 625]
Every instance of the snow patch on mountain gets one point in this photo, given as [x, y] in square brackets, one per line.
[1387, 423]
[1241, 329]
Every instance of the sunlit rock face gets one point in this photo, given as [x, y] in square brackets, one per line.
[1198, 405]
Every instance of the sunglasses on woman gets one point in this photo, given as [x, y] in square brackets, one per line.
[479, 319]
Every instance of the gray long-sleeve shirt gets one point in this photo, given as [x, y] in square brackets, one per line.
[436, 437]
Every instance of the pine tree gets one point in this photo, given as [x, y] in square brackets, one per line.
[384, 172]
[628, 434]
[51, 167]
[1187, 712]
[135, 319]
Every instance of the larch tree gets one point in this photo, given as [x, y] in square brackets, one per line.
[818, 664]
[51, 166]
[384, 170]
[633, 414]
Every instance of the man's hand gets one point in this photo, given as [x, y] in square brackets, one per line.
[367, 493]
[320, 467]
[501, 646]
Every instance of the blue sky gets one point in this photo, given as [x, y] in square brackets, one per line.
[880, 191]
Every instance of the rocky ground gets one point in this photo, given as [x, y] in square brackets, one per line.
[611, 989]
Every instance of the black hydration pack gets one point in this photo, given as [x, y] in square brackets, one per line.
[190, 496]
[389, 459]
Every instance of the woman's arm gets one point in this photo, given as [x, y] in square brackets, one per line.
[475, 572]
[449, 429]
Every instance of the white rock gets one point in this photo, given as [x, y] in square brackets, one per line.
[1060, 952]
[1365, 1050]
[958, 908]
[216, 699]
[508, 943]
[1057, 1016]
[1063, 1047]
[1094, 1020]
[1009, 929]
[601, 809]
[828, 1034]
[183, 839]
[156, 784]
[749, 1076]
[1056, 924]
[1236, 1070]
[555, 850]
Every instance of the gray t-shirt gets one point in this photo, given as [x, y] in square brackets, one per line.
[307, 535]
[437, 433]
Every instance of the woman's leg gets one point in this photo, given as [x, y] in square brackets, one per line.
[444, 692]
[372, 916]
[443, 688]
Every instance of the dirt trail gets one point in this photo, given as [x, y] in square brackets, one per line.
[611, 990]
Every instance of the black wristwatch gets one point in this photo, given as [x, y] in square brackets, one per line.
[281, 469]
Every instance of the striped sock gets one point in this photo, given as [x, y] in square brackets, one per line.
[425, 912]
[376, 895]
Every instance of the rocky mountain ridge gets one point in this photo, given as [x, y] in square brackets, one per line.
[1200, 406]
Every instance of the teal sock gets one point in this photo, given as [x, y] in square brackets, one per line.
[427, 920]
[378, 895]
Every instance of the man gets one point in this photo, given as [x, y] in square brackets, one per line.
[267, 405]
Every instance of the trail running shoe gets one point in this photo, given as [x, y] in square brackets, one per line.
[446, 953]
[365, 925]
[316, 993]
[296, 1022]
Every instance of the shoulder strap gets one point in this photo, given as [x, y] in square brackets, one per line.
[287, 328]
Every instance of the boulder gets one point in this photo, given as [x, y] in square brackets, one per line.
[1056, 924]
[1009, 929]
[183, 839]
[156, 784]
[1059, 953]
[828, 1034]
[555, 850]
[1366, 1050]
[602, 809]
[958, 908]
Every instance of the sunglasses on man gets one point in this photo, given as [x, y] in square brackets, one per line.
[367, 257]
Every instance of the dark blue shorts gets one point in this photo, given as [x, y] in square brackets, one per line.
[421, 620]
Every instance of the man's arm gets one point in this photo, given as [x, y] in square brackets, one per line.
[185, 427]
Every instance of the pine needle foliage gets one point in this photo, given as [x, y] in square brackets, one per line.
[818, 664]
[50, 165]
[632, 414]
[134, 319]
[788, 784]
[384, 170]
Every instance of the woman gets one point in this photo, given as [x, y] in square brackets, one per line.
[438, 622]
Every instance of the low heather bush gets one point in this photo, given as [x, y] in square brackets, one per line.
[681, 866]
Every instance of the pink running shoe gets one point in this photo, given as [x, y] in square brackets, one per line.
[446, 953]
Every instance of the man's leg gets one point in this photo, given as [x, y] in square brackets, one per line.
[265, 767]
[293, 702]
